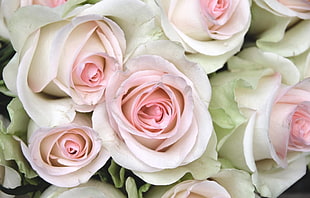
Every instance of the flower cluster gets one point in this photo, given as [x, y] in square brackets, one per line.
[154, 98]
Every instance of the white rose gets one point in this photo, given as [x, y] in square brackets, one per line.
[212, 28]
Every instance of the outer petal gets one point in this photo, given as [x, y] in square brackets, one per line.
[93, 188]
[21, 29]
[271, 180]
[237, 183]
[60, 110]
[175, 54]
[278, 8]
[9, 178]
[293, 42]
[143, 28]
[204, 167]
[253, 58]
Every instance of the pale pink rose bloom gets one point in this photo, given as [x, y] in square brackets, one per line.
[65, 155]
[290, 119]
[155, 112]
[197, 189]
[78, 61]
[196, 22]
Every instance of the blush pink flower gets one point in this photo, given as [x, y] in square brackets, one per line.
[86, 51]
[66, 66]
[65, 155]
[290, 119]
[155, 112]
[210, 27]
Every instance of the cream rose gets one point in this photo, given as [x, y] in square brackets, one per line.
[74, 66]
[80, 69]
[250, 106]
[65, 155]
[208, 27]
[159, 116]
[290, 8]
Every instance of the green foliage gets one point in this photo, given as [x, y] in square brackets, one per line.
[123, 179]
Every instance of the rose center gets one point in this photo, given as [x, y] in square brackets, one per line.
[152, 111]
[72, 147]
[214, 8]
[300, 126]
[92, 75]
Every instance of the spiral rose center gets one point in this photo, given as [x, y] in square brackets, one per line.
[150, 109]
[67, 145]
[89, 75]
[73, 145]
[155, 116]
[214, 9]
[92, 75]
[301, 122]
[300, 126]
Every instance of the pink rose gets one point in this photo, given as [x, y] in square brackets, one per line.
[291, 119]
[209, 27]
[159, 116]
[65, 155]
[65, 66]
[85, 66]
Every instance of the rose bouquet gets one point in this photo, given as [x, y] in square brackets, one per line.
[154, 98]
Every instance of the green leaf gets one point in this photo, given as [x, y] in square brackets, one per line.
[118, 174]
[12, 151]
[223, 107]
[131, 188]
[19, 119]
[143, 189]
